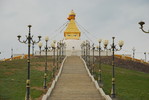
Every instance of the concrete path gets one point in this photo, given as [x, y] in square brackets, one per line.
[74, 83]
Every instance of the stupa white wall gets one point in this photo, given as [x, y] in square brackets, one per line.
[73, 47]
[73, 44]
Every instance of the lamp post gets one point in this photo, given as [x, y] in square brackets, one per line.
[93, 65]
[11, 53]
[145, 56]
[141, 24]
[87, 52]
[81, 50]
[45, 72]
[99, 63]
[40, 45]
[133, 49]
[65, 48]
[29, 40]
[62, 45]
[33, 43]
[86, 45]
[57, 54]
[53, 48]
[113, 48]
[84, 50]
[89, 62]
[60, 49]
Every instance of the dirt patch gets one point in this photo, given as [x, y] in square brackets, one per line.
[39, 68]
[8, 73]
[38, 88]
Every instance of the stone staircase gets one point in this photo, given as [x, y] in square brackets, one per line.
[74, 83]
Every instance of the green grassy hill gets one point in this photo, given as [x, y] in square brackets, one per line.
[13, 78]
[131, 84]
[132, 79]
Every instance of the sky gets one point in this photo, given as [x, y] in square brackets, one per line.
[102, 19]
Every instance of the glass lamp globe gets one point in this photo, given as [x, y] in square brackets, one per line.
[121, 43]
[105, 42]
[40, 44]
[46, 38]
[100, 40]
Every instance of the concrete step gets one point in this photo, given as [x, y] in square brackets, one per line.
[53, 98]
[74, 83]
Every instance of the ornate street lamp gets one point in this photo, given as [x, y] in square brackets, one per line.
[60, 50]
[62, 47]
[99, 63]
[84, 50]
[87, 52]
[133, 49]
[33, 43]
[113, 48]
[65, 48]
[141, 24]
[57, 54]
[29, 40]
[11, 53]
[45, 73]
[105, 43]
[40, 45]
[89, 62]
[145, 56]
[81, 50]
[53, 48]
[93, 64]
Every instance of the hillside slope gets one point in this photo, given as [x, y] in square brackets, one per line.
[128, 64]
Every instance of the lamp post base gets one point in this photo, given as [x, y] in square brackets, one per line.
[45, 80]
[113, 96]
[100, 83]
[27, 97]
[44, 87]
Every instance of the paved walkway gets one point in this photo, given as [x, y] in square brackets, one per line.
[74, 83]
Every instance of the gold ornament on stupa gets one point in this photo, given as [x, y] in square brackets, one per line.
[72, 31]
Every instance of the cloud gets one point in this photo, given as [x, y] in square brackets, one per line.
[102, 18]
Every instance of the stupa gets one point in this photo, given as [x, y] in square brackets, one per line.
[72, 35]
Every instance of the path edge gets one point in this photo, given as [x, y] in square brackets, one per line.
[107, 97]
[45, 97]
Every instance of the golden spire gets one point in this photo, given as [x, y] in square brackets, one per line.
[71, 15]
[72, 31]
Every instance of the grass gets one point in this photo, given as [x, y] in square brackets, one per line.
[13, 76]
[130, 84]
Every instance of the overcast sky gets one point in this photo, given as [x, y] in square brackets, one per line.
[101, 18]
